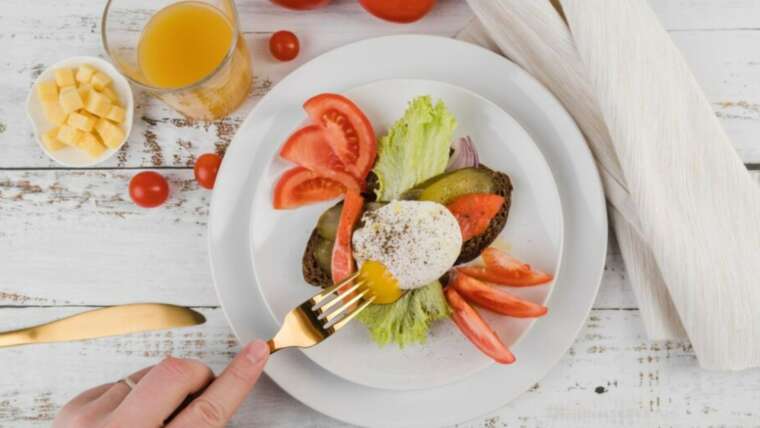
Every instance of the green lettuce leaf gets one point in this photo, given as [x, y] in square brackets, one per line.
[408, 320]
[415, 149]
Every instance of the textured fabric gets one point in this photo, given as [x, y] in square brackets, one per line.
[684, 207]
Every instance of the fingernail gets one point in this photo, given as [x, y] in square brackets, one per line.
[257, 351]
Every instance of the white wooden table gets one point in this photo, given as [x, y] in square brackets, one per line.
[71, 240]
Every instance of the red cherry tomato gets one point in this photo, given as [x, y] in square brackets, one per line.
[148, 189]
[474, 212]
[299, 186]
[489, 297]
[403, 11]
[301, 4]
[284, 45]
[476, 329]
[206, 167]
[342, 260]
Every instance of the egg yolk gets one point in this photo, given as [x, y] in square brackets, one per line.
[380, 281]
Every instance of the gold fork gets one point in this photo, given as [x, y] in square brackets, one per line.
[312, 321]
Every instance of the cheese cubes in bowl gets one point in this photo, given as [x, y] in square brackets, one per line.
[82, 110]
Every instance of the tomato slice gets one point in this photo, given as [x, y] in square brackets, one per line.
[488, 297]
[300, 186]
[342, 257]
[476, 329]
[348, 131]
[474, 212]
[402, 11]
[509, 271]
[308, 147]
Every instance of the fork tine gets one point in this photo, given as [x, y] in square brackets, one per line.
[346, 305]
[338, 298]
[327, 291]
[340, 324]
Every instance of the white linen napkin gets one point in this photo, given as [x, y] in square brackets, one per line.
[685, 209]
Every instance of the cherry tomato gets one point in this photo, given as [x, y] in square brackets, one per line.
[474, 212]
[148, 189]
[501, 268]
[301, 4]
[206, 167]
[349, 132]
[299, 186]
[489, 297]
[403, 11]
[342, 260]
[284, 45]
[476, 329]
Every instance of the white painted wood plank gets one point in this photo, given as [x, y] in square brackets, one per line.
[707, 14]
[726, 62]
[611, 376]
[75, 237]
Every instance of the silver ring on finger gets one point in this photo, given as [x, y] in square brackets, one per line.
[127, 381]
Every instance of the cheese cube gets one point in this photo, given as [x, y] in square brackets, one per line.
[111, 94]
[111, 134]
[84, 90]
[64, 77]
[116, 114]
[91, 145]
[100, 80]
[85, 73]
[54, 113]
[50, 140]
[69, 135]
[81, 122]
[98, 104]
[70, 99]
[47, 91]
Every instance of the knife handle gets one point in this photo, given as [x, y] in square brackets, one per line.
[17, 337]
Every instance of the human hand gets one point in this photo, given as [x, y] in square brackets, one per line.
[160, 389]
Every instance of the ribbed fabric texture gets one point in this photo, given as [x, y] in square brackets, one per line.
[685, 209]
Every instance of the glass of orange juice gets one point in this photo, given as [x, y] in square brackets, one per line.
[190, 54]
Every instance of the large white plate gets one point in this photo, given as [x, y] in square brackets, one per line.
[420, 57]
[534, 233]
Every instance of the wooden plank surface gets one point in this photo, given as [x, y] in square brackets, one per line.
[71, 239]
[611, 376]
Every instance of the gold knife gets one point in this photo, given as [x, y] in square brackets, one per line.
[109, 321]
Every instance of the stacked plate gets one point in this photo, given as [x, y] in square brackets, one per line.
[557, 222]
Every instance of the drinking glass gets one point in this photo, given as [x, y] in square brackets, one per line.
[212, 96]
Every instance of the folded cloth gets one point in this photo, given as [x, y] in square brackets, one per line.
[683, 205]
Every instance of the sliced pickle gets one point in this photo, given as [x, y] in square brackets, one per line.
[447, 187]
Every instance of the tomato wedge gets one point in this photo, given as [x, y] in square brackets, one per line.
[512, 271]
[342, 264]
[308, 147]
[402, 11]
[348, 131]
[300, 186]
[476, 329]
[475, 211]
[501, 302]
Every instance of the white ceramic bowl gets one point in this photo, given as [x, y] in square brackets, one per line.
[69, 156]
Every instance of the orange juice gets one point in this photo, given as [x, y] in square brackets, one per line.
[183, 43]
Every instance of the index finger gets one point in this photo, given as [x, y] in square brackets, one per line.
[221, 399]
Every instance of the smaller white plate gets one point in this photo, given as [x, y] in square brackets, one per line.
[69, 156]
[533, 231]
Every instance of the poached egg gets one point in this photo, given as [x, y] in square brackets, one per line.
[416, 241]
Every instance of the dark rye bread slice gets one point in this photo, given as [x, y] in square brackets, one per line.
[314, 274]
[472, 247]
